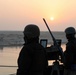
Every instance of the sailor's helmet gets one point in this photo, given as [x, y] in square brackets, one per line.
[31, 31]
[70, 30]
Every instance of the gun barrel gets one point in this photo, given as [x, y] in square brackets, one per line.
[49, 29]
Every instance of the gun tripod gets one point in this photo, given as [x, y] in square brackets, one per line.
[55, 67]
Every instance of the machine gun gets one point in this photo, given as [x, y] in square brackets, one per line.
[56, 46]
[55, 52]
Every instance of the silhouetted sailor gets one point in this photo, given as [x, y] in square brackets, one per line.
[32, 58]
[70, 53]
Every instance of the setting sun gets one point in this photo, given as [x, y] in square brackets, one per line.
[51, 18]
[16, 14]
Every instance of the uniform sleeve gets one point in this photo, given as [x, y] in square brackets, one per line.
[24, 62]
[68, 54]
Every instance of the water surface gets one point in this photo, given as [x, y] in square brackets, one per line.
[8, 59]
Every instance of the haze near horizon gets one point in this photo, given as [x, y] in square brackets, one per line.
[16, 14]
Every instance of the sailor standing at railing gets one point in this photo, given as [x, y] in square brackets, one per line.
[70, 53]
[32, 58]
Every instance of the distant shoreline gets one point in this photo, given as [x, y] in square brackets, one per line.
[19, 45]
[15, 38]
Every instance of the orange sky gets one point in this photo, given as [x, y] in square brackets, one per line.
[16, 14]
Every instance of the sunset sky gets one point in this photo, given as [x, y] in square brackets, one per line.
[16, 14]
